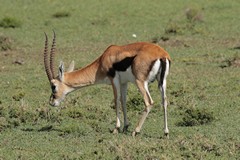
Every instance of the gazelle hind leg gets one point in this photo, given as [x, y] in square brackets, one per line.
[148, 105]
[164, 103]
[162, 83]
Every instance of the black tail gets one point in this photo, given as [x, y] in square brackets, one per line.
[162, 71]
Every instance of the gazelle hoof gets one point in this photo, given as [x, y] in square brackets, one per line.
[134, 133]
[125, 129]
[166, 135]
[116, 131]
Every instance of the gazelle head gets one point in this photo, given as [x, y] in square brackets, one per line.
[59, 88]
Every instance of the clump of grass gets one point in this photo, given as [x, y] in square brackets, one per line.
[48, 114]
[173, 28]
[181, 26]
[195, 117]
[158, 39]
[10, 22]
[43, 112]
[136, 103]
[46, 128]
[100, 21]
[1, 110]
[75, 128]
[75, 114]
[232, 62]
[5, 43]
[20, 114]
[3, 123]
[193, 14]
[18, 96]
[235, 62]
[61, 14]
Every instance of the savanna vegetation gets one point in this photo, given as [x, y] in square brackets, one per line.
[202, 38]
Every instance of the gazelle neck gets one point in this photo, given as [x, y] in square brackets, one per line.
[86, 76]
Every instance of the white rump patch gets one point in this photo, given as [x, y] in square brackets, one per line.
[154, 71]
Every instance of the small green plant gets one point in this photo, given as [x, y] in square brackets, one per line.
[75, 114]
[173, 28]
[5, 43]
[10, 22]
[3, 123]
[1, 110]
[18, 96]
[136, 103]
[43, 112]
[231, 62]
[61, 14]
[20, 114]
[193, 14]
[75, 128]
[195, 117]
[158, 39]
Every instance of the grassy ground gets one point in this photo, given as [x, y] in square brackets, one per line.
[203, 87]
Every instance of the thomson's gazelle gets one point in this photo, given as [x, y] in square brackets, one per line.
[140, 63]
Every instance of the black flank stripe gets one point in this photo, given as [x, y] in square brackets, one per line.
[111, 72]
[120, 66]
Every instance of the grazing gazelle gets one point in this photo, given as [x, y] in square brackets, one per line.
[140, 63]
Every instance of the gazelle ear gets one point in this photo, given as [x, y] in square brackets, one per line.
[61, 71]
[71, 67]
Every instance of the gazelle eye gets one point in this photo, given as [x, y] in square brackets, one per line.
[53, 96]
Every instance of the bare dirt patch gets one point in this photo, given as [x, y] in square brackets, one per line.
[174, 43]
[235, 62]
[165, 41]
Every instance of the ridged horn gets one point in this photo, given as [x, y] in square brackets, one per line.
[46, 65]
[52, 54]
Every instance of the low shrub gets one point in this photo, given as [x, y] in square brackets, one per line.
[18, 96]
[195, 117]
[173, 28]
[135, 103]
[5, 43]
[10, 22]
[3, 123]
[194, 14]
[61, 14]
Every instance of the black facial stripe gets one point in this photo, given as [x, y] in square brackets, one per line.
[120, 66]
[53, 87]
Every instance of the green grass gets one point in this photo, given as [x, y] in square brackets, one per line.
[203, 83]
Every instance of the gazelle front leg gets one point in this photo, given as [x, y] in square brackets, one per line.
[116, 91]
[143, 87]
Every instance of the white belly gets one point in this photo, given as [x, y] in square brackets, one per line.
[126, 76]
